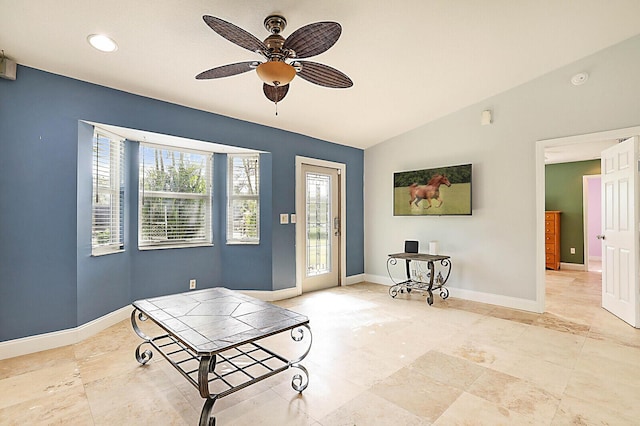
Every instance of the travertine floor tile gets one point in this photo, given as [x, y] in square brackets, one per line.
[470, 410]
[416, 393]
[38, 384]
[374, 360]
[447, 369]
[66, 407]
[574, 411]
[36, 361]
[516, 395]
[371, 410]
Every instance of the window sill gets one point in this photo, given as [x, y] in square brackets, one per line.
[169, 246]
[104, 253]
[243, 243]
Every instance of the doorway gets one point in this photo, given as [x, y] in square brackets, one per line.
[320, 224]
[578, 142]
[592, 220]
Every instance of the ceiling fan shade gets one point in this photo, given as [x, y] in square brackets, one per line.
[276, 73]
[324, 75]
[313, 39]
[227, 70]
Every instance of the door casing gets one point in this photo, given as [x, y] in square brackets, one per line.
[300, 199]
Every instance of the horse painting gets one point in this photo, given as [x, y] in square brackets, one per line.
[430, 191]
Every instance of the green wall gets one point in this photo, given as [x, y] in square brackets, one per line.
[563, 191]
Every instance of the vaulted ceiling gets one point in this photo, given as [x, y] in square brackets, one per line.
[412, 61]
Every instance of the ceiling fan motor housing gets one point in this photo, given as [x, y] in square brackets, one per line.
[274, 43]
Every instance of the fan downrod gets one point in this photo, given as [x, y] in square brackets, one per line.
[275, 24]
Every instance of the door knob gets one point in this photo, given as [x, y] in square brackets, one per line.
[600, 237]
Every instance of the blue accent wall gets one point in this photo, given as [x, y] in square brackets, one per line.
[48, 279]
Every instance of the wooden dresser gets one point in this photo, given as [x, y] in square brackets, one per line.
[552, 239]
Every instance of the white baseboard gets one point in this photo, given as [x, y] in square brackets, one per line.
[272, 295]
[572, 266]
[494, 299]
[288, 293]
[378, 279]
[474, 296]
[56, 339]
[354, 279]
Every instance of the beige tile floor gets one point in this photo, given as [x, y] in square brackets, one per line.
[374, 361]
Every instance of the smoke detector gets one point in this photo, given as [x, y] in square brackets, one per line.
[579, 79]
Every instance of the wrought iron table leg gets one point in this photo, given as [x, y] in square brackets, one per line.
[206, 419]
[430, 287]
[299, 382]
[145, 356]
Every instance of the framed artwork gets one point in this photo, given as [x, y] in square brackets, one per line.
[440, 191]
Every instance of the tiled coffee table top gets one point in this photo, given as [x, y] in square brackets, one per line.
[216, 319]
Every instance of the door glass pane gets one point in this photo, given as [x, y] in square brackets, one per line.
[318, 224]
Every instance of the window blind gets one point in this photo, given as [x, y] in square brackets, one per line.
[243, 194]
[107, 226]
[175, 197]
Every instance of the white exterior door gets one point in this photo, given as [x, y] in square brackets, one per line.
[620, 231]
[321, 227]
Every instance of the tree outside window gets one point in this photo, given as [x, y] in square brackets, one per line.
[175, 197]
[243, 194]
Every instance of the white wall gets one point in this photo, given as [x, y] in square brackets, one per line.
[493, 251]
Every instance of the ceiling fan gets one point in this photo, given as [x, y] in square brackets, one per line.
[282, 57]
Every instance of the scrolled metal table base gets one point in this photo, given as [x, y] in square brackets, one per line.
[141, 357]
[436, 281]
[299, 382]
[206, 374]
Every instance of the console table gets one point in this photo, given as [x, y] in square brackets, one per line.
[435, 279]
[214, 339]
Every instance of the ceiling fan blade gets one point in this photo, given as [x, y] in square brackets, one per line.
[234, 34]
[275, 93]
[227, 70]
[324, 75]
[313, 39]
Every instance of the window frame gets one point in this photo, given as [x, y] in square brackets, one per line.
[231, 197]
[207, 241]
[116, 189]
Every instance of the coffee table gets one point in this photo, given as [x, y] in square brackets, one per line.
[215, 339]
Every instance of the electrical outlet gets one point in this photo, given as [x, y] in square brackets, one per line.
[573, 250]
[192, 284]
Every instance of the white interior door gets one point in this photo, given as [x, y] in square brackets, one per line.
[321, 227]
[619, 230]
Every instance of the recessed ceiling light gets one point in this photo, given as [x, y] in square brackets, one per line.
[102, 43]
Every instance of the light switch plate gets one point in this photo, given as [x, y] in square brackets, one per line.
[284, 218]
[293, 218]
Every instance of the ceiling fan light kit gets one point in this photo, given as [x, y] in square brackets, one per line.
[276, 73]
[281, 55]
